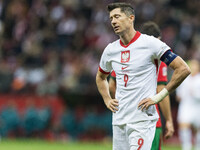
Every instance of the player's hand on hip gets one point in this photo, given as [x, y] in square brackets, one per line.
[169, 129]
[112, 104]
[145, 103]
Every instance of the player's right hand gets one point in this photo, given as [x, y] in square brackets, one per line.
[112, 104]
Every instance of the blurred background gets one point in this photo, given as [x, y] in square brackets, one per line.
[49, 56]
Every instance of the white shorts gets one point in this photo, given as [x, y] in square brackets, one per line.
[134, 136]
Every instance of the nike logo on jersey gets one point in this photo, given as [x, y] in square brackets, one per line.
[124, 67]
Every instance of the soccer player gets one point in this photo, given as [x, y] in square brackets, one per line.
[132, 57]
[151, 28]
[189, 107]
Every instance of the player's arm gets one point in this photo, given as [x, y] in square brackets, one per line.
[112, 87]
[103, 87]
[166, 111]
[112, 84]
[181, 71]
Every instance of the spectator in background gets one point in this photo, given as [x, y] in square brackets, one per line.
[31, 29]
[188, 94]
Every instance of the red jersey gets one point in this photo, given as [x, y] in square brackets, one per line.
[162, 79]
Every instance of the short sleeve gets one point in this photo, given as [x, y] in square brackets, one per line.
[158, 47]
[105, 63]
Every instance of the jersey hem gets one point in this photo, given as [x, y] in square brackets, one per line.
[152, 118]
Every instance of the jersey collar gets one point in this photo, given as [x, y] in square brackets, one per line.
[137, 35]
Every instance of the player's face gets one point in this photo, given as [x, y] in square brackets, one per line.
[120, 21]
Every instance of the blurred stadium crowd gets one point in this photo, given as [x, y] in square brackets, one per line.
[49, 47]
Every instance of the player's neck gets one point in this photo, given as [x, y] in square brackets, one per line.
[128, 36]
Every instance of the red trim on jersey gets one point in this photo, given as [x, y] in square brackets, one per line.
[162, 76]
[104, 72]
[137, 35]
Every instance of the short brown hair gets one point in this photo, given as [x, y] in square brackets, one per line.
[151, 28]
[125, 8]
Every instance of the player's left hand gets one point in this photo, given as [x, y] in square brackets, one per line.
[145, 103]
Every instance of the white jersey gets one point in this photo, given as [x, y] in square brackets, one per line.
[189, 94]
[136, 75]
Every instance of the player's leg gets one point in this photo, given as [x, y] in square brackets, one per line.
[157, 142]
[141, 134]
[120, 141]
[185, 135]
[196, 125]
[184, 120]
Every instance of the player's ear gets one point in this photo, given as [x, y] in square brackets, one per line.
[131, 18]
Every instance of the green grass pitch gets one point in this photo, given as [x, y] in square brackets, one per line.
[20, 144]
